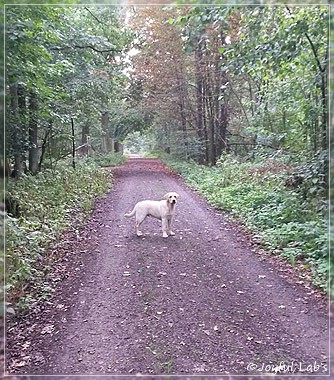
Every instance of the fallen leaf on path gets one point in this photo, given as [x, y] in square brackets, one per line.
[10, 310]
[26, 345]
[19, 364]
[47, 329]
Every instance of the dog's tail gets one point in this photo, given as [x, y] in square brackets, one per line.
[130, 213]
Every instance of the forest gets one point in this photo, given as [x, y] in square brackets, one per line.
[234, 98]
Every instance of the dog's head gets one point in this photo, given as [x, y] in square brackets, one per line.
[171, 197]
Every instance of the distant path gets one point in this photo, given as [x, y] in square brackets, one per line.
[200, 302]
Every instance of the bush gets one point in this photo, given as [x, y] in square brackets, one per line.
[255, 192]
[109, 159]
[48, 202]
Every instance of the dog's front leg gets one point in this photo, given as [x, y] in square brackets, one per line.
[170, 232]
[164, 223]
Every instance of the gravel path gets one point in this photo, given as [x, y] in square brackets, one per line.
[200, 302]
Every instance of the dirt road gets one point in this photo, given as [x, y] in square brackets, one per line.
[200, 302]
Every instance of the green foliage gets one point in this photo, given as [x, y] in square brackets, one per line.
[274, 63]
[312, 176]
[255, 192]
[48, 203]
[73, 60]
[125, 118]
[142, 143]
[282, 52]
[108, 159]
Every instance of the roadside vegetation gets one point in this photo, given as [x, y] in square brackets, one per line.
[288, 221]
[41, 210]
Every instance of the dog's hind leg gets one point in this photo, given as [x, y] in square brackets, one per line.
[139, 221]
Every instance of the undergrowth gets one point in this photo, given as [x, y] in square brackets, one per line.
[109, 159]
[42, 207]
[286, 221]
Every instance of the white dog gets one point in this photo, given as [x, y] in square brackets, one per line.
[163, 210]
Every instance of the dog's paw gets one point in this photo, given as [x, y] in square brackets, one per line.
[165, 235]
[139, 233]
[171, 233]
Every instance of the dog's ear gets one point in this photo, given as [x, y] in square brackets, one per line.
[166, 196]
[177, 195]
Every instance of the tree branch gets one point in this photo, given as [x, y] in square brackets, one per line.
[322, 69]
[85, 47]
[92, 14]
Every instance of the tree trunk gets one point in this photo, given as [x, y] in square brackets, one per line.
[73, 143]
[210, 112]
[217, 91]
[184, 128]
[199, 100]
[106, 143]
[18, 103]
[205, 124]
[183, 111]
[211, 131]
[33, 134]
[45, 142]
[84, 140]
[118, 147]
[222, 141]
[222, 101]
[324, 133]
[222, 145]
[84, 134]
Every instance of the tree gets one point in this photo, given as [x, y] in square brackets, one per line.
[62, 63]
[281, 54]
[179, 66]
